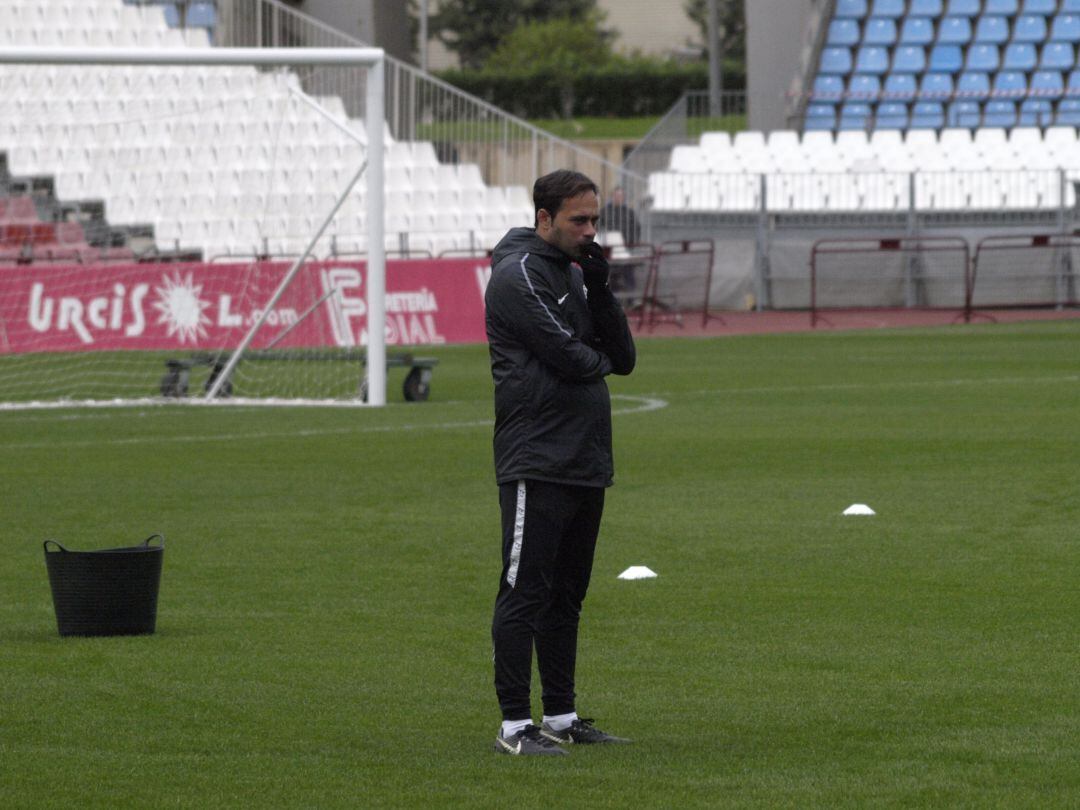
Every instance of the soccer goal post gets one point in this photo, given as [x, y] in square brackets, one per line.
[74, 319]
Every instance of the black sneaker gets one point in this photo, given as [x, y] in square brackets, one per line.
[527, 742]
[581, 732]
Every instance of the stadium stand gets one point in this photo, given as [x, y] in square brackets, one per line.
[25, 236]
[175, 161]
[916, 105]
[998, 63]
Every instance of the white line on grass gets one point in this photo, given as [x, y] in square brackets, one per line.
[645, 404]
[639, 405]
[788, 389]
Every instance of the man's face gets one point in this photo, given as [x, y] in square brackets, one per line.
[574, 226]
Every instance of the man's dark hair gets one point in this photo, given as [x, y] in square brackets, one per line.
[550, 190]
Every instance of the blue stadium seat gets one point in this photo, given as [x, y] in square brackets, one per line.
[872, 59]
[891, 115]
[201, 14]
[835, 60]
[820, 116]
[1057, 56]
[973, 86]
[850, 8]
[999, 114]
[927, 115]
[954, 31]
[917, 31]
[1043, 7]
[992, 29]
[926, 8]
[854, 115]
[1047, 84]
[827, 90]
[965, 8]
[887, 8]
[909, 59]
[1020, 56]
[902, 86]
[1072, 83]
[1036, 112]
[1069, 7]
[983, 57]
[843, 32]
[1009, 84]
[964, 114]
[880, 31]
[172, 15]
[1068, 112]
[945, 59]
[863, 87]
[1066, 28]
[1029, 28]
[935, 87]
[1008, 7]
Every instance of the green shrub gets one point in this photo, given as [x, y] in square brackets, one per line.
[623, 88]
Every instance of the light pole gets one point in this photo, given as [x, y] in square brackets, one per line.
[423, 35]
[715, 57]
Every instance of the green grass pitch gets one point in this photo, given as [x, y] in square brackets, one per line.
[323, 629]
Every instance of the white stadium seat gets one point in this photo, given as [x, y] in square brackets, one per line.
[689, 159]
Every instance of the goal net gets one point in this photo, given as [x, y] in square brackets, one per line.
[192, 225]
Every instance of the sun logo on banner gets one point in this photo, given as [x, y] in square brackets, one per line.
[181, 308]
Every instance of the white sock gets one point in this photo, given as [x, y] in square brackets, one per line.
[560, 722]
[512, 727]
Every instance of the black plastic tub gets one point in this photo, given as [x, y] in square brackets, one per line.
[111, 592]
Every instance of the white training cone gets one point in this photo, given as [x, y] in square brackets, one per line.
[859, 509]
[637, 572]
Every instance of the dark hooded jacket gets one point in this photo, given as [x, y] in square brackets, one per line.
[551, 347]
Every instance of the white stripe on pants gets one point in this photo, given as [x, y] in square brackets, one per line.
[519, 535]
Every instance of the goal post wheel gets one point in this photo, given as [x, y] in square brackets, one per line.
[417, 385]
[174, 384]
[226, 387]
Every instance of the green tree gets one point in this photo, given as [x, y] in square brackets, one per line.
[731, 25]
[474, 29]
[557, 49]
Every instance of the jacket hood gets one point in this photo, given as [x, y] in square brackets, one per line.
[525, 240]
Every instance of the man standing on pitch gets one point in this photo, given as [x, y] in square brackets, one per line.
[554, 332]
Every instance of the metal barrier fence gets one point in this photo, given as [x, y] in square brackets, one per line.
[679, 281]
[1040, 270]
[909, 273]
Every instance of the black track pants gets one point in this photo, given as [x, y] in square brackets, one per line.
[548, 538]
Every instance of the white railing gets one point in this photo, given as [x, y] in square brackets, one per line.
[814, 36]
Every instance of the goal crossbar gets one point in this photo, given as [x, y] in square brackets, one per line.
[371, 58]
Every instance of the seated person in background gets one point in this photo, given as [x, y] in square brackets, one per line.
[616, 215]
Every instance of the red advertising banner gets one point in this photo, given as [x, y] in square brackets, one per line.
[54, 308]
